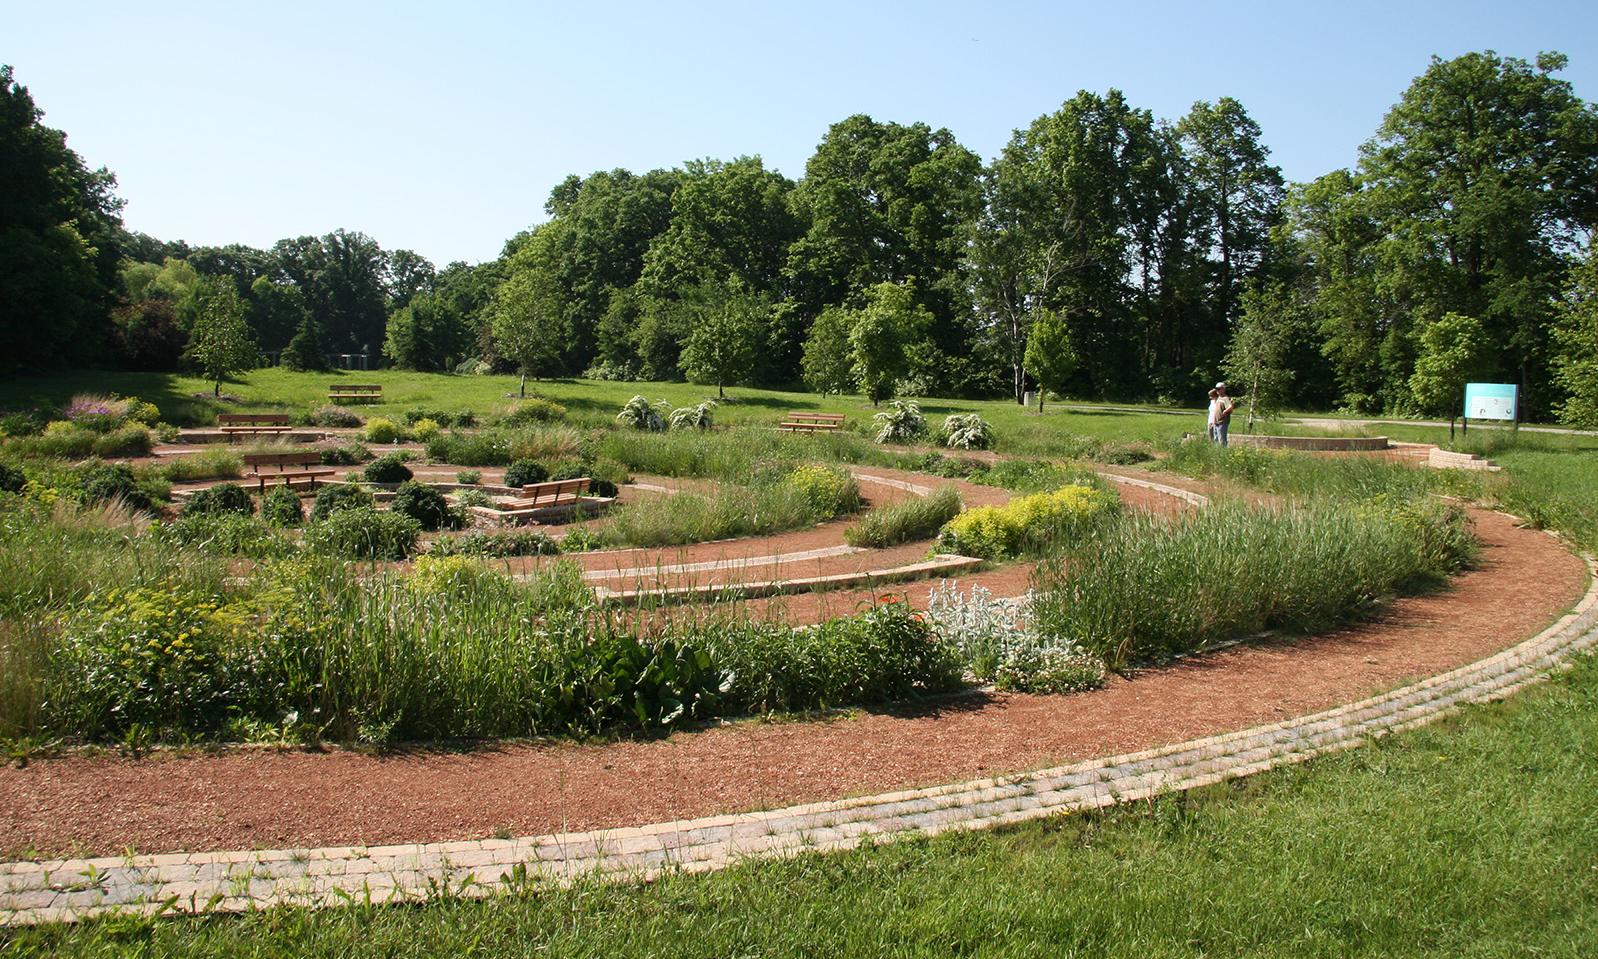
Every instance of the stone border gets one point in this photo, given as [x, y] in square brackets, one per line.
[70, 890]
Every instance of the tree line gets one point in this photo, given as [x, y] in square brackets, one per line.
[1104, 253]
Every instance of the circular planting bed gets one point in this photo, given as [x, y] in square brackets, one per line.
[693, 798]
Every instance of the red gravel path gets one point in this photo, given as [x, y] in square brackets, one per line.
[243, 798]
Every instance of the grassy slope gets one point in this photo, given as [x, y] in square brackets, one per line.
[1476, 838]
[589, 402]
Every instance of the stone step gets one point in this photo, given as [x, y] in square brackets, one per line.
[700, 592]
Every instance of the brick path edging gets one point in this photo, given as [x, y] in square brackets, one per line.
[69, 890]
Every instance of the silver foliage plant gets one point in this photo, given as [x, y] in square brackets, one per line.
[997, 642]
[900, 423]
[640, 414]
[967, 431]
[696, 417]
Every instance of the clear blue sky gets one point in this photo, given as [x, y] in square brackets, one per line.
[441, 127]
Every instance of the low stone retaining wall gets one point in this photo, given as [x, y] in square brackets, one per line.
[1316, 444]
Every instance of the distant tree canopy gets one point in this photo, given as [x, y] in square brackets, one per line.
[1157, 255]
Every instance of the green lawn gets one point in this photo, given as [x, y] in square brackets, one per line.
[1474, 838]
[589, 402]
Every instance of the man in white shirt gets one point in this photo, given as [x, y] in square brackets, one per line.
[1221, 407]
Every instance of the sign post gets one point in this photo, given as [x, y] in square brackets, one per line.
[1491, 401]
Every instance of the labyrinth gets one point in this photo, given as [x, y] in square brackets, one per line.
[548, 691]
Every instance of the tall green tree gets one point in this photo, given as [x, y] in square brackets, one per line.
[276, 312]
[60, 234]
[881, 335]
[1051, 355]
[829, 356]
[1453, 350]
[726, 326]
[1481, 179]
[888, 203]
[1239, 191]
[1259, 358]
[529, 325]
[220, 343]
[1576, 356]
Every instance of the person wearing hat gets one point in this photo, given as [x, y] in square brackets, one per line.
[1221, 407]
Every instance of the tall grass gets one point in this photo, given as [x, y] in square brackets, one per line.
[734, 511]
[1145, 589]
[204, 464]
[919, 517]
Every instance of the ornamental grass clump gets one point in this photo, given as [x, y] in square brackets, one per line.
[227, 534]
[1029, 524]
[281, 507]
[364, 533]
[918, 517]
[206, 464]
[534, 410]
[1146, 588]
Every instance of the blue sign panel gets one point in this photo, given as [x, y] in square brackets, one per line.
[1491, 401]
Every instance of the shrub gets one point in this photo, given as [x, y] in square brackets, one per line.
[900, 423]
[886, 654]
[381, 430]
[424, 504]
[966, 431]
[96, 412]
[389, 468]
[640, 415]
[205, 464]
[424, 429]
[227, 534]
[133, 439]
[21, 424]
[468, 477]
[470, 449]
[534, 409]
[525, 472]
[1027, 524]
[146, 656]
[829, 491]
[463, 417]
[104, 481]
[697, 417]
[337, 497]
[221, 498]
[919, 517]
[468, 498]
[281, 507]
[336, 417]
[458, 577]
[11, 478]
[363, 533]
[1046, 669]
[350, 454]
[498, 543]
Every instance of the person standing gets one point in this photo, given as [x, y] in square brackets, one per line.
[1220, 413]
[1209, 424]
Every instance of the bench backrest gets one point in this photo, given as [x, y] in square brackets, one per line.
[555, 490]
[354, 388]
[816, 417]
[280, 460]
[263, 419]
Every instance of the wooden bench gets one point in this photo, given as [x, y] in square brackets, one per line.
[289, 468]
[354, 391]
[552, 493]
[811, 423]
[249, 424]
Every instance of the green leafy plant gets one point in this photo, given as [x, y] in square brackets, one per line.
[468, 477]
[525, 473]
[1027, 524]
[281, 507]
[337, 417]
[534, 409]
[336, 497]
[364, 533]
[350, 454]
[424, 429]
[221, 498]
[424, 504]
[388, 468]
[381, 430]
